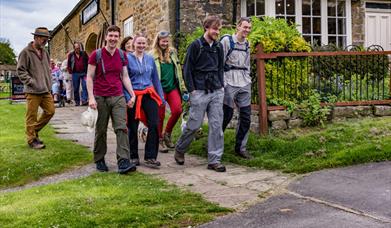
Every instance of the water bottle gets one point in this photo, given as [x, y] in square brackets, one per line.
[185, 97]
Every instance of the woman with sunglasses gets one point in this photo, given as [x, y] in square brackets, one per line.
[149, 96]
[170, 74]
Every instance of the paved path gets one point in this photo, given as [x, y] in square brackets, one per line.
[238, 188]
[357, 196]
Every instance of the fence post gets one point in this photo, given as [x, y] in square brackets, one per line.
[263, 125]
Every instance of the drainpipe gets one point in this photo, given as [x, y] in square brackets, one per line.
[234, 7]
[113, 12]
[177, 22]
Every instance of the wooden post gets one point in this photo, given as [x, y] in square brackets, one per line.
[263, 125]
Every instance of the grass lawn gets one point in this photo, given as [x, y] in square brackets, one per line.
[106, 200]
[305, 150]
[19, 163]
[4, 95]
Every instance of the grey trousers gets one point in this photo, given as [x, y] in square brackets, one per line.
[212, 104]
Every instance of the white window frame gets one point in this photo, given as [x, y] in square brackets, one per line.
[270, 10]
[128, 26]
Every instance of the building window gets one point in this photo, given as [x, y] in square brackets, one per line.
[254, 8]
[128, 27]
[286, 9]
[336, 22]
[311, 21]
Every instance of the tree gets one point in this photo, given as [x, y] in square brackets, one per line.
[7, 54]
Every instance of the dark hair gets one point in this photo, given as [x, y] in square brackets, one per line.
[124, 41]
[246, 19]
[113, 28]
[210, 21]
[80, 45]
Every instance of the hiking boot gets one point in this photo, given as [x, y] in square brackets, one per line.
[162, 147]
[167, 140]
[136, 161]
[35, 144]
[124, 166]
[37, 138]
[152, 163]
[179, 158]
[244, 154]
[218, 167]
[101, 166]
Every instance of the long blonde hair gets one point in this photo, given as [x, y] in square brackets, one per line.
[157, 51]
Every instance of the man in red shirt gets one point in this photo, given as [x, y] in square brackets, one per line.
[106, 76]
[77, 67]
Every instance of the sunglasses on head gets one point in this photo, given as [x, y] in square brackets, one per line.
[163, 34]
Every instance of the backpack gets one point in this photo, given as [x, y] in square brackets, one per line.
[202, 48]
[99, 60]
[230, 50]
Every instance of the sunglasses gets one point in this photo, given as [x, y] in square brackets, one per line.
[163, 34]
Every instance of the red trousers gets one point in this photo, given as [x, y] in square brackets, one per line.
[173, 99]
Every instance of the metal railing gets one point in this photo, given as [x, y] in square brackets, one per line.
[348, 76]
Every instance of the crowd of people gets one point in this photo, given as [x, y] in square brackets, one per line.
[130, 85]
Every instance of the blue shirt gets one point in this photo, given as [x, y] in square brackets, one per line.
[143, 74]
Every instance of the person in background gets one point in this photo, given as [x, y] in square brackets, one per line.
[56, 77]
[77, 66]
[237, 80]
[67, 81]
[126, 44]
[149, 97]
[34, 71]
[170, 74]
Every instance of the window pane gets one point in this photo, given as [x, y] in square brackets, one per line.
[306, 7]
[341, 41]
[291, 20]
[316, 7]
[307, 38]
[332, 40]
[260, 7]
[341, 8]
[280, 7]
[341, 26]
[317, 40]
[306, 25]
[290, 7]
[250, 8]
[316, 25]
[332, 28]
[331, 8]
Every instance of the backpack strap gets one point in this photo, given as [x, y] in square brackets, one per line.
[121, 54]
[201, 49]
[230, 50]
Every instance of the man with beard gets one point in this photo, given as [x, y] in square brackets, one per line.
[34, 71]
[237, 83]
[203, 75]
[106, 76]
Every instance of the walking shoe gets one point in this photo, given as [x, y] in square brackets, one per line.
[244, 154]
[101, 166]
[162, 147]
[179, 158]
[152, 163]
[124, 166]
[37, 138]
[35, 144]
[218, 167]
[167, 140]
[136, 161]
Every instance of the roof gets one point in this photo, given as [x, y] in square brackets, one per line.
[68, 17]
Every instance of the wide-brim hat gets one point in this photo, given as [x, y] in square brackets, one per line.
[41, 31]
[88, 119]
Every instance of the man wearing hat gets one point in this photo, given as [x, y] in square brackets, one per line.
[34, 71]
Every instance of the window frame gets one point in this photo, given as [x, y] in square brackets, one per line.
[130, 21]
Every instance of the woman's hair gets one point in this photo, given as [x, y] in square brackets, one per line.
[124, 41]
[157, 51]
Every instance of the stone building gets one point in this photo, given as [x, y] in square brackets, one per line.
[342, 22]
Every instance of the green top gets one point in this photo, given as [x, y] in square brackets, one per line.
[168, 77]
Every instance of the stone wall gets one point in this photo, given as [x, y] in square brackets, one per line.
[358, 22]
[282, 120]
[193, 12]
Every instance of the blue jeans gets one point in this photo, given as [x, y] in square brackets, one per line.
[78, 78]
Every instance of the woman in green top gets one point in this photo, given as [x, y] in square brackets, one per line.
[170, 74]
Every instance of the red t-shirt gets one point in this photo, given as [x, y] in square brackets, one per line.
[109, 84]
